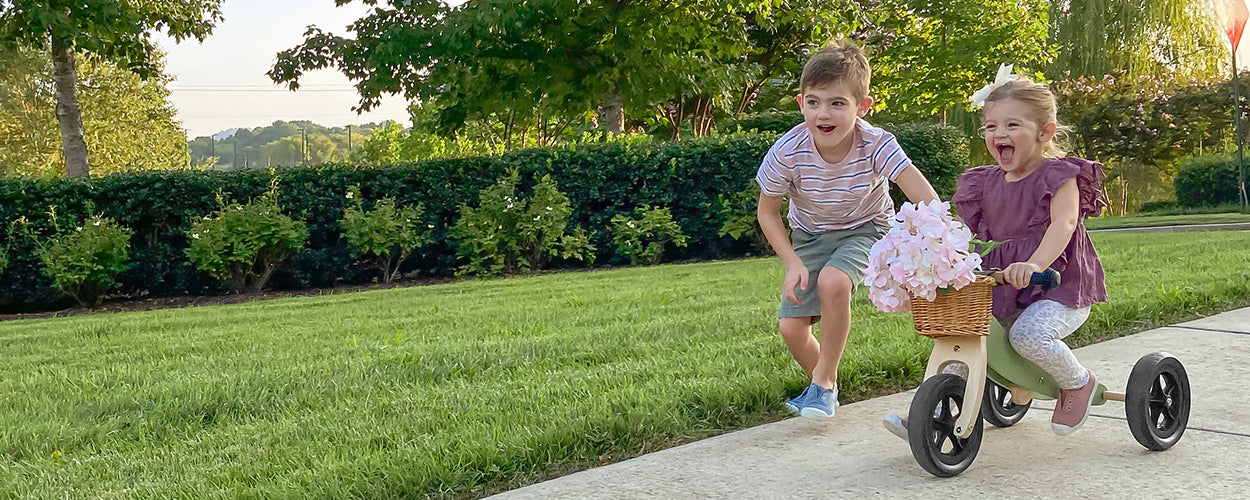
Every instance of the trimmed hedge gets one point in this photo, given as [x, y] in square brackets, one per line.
[601, 181]
[1207, 180]
[939, 151]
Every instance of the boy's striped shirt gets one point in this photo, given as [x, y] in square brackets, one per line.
[827, 197]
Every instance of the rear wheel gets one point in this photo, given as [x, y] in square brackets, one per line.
[1156, 401]
[997, 407]
[931, 427]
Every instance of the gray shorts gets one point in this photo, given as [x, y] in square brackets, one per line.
[845, 249]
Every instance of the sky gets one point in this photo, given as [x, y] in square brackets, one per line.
[221, 83]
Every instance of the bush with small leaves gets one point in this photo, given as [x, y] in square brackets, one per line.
[642, 238]
[244, 244]
[386, 235]
[84, 262]
[507, 234]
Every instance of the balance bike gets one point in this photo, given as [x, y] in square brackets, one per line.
[944, 423]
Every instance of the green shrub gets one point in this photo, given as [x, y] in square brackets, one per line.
[244, 244]
[85, 261]
[1207, 180]
[642, 238]
[386, 235]
[739, 211]
[939, 151]
[4, 249]
[776, 122]
[599, 180]
[1158, 206]
[507, 234]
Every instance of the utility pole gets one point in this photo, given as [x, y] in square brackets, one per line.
[1237, 109]
[349, 138]
[212, 146]
[304, 135]
[234, 162]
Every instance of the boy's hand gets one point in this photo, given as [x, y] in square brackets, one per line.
[796, 275]
[1020, 273]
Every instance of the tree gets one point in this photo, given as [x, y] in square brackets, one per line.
[117, 32]
[543, 64]
[128, 119]
[930, 56]
[1163, 38]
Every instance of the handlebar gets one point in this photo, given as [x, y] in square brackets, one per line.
[1047, 279]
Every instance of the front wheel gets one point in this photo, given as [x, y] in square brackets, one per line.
[997, 407]
[931, 427]
[1156, 402]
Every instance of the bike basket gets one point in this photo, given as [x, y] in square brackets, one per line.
[957, 312]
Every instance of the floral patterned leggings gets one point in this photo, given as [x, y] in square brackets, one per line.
[1037, 335]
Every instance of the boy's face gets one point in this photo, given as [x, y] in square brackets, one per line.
[830, 112]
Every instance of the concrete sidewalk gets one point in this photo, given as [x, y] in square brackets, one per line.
[853, 456]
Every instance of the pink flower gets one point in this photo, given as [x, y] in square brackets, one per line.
[924, 251]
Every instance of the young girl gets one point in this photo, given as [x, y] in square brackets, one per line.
[1034, 201]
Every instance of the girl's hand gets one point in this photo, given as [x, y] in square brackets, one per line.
[796, 276]
[1019, 274]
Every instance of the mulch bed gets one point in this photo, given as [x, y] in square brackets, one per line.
[127, 304]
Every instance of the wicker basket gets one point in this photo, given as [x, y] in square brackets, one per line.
[959, 312]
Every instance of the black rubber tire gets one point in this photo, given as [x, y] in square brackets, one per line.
[998, 409]
[1156, 401]
[931, 427]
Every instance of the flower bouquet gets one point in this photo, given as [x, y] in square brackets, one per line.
[925, 256]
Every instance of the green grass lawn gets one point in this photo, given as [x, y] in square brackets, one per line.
[470, 388]
[1164, 220]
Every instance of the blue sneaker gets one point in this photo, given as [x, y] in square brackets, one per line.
[896, 425]
[820, 404]
[794, 405]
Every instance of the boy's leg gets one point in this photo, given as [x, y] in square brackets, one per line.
[834, 288]
[797, 332]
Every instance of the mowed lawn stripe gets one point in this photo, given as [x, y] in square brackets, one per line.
[467, 388]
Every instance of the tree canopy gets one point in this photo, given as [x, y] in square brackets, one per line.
[549, 63]
[129, 121]
[116, 32]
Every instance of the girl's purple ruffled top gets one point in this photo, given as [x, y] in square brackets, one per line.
[1018, 213]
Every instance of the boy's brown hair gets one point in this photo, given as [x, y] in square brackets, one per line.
[839, 62]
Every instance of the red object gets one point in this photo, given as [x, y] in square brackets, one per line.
[1232, 15]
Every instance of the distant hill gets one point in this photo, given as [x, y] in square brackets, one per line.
[280, 144]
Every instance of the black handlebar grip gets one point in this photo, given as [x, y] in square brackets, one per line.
[1047, 279]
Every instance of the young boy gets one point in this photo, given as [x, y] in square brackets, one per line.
[836, 168]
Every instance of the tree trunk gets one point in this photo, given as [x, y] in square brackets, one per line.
[612, 114]
[73, 145]
[702, 120]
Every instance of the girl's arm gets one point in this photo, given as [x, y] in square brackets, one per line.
[769, 215]
[915, 186]
[1064, 215]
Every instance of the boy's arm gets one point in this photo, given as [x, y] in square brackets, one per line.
[769, 216]
[915, 186]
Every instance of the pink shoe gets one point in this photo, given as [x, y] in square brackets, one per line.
[1072, 407]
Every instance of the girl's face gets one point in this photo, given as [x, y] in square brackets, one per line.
[1014, 139]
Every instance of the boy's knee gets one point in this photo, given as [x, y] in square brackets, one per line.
[834, 284]
[795, 327]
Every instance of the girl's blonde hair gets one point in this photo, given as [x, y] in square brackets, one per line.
[1043, 109]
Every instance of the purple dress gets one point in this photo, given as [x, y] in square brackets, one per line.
[1018, 213]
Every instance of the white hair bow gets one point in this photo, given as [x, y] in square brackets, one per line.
[1005, 75]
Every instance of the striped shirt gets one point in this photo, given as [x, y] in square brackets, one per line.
[828, 197]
